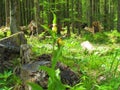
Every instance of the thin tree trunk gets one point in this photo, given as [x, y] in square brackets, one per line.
[31, 10]
[68, 16]
[37, 16]
[91, 18]
[7, 11]
[98, 10]
[0, 14]
[58, 14]
[18, 12]
[72, 18]
[105, 15]
[112, 14]
[79, 15]
[118, 26]
[21, 14]
[3, 13]
[51, 7]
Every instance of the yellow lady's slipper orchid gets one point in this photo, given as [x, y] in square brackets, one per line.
[54, 28]
[60, 42]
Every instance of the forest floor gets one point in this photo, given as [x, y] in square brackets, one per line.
[100, 68]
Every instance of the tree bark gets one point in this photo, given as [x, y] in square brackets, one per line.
[118, 26]
[13, 16]
[58, 14]
[7, 11]
[79, 15]
[91, 18]
[37, 16]
[68, 16]
[105, 15]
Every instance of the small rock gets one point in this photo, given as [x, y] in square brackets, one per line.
[86, 45]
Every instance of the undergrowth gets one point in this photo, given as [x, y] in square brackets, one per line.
[100, 69]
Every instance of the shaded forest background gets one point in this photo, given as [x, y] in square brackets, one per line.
[70, 13]
[95, 57]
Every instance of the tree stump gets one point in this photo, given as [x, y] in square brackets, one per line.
[10, 48]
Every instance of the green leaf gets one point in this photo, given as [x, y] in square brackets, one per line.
[2, 82]
[46, 28]
[55, 84]
[6, 74]
[35, 86]
[56, 57]
[50, 71]
[49, 31]
[54, 18]
[6, 88]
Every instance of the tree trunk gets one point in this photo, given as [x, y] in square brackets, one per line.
[105, 15]
[118, 26]
[2, 17]
[98, 9]
[51, 7]
[91, 18]
[79, 15]
[112, 14]
[13, 16]
[7, 11]
[72, 16]
[37, 16]
[58, 14]
[18, 12]
[68, 16]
